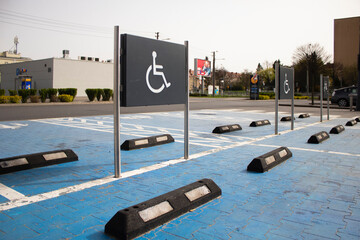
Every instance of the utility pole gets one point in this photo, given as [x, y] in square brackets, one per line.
[157, 35]
[358, 88]
[213, 74]
[307, 79]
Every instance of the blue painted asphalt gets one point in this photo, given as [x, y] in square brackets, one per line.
[313, 195]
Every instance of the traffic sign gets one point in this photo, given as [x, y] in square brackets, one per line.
[326, 86]
[254, 87]
[152, 72]
[286, 89]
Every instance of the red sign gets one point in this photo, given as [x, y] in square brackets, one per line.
[203, 68]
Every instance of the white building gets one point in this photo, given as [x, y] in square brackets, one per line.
[59, 73]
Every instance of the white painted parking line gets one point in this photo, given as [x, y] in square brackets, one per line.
[12, 126]
[141, 131]
[308, 150]
[10, 193]
[17, 202]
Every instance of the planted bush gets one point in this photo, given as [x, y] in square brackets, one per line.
[107, 93]
[32, 92]
[301, 97]
[99, 93]
[15, 99]
[264, 97]
[12, 92]
[25, 94]
[43, 94]
[65, 98]
[198, 94]
[68, 91]
[2, 92]
[4, 99]
[270, 94]
[34, 98]
[91, 93]
[52, 94]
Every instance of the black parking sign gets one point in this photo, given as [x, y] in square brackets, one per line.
[152, 72]
[286, 83]
[326, 86]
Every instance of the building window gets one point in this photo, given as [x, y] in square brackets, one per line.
[49, 69]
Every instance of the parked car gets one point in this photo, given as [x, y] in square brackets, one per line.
[341, 96]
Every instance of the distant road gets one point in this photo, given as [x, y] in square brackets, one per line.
[84, 108]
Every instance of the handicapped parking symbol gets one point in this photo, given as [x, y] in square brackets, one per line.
[286, 85]
[154, 67]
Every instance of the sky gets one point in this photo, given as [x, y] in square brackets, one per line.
[242, 32]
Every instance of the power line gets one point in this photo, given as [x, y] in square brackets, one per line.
[53, 30]
[52, 21]
[15, 20]
[12, 17]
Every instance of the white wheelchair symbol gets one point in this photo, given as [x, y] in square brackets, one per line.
[155, 68]
[286, 85]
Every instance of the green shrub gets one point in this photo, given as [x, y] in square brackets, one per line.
[198, 95]
[72, 92]
[65, 98]
[43, 94]
[91, 93]
[32, 92]
[270, 94]
[54, 98]
[68, 91]
[4, 99]
[301, 97]
[15, 99]
[34, 98]
[107, 94]
[264, 97]
[12, 92]
[52, 94]
[2, 92]
[99, 93]
[25, 94]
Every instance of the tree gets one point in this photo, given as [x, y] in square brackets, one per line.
[267, 76]
[311, 58]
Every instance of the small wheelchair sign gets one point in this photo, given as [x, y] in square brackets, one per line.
[286, 83]
[155, 71]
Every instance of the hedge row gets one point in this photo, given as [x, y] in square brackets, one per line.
[44, 93]
[271, 95]
[98, 93]
[264, 97]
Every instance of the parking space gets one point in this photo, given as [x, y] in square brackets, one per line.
[315, 194]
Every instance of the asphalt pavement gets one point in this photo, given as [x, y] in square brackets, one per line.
[82, 107]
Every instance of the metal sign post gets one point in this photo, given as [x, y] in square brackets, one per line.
[117, 156]
[186, 105]
[326, 94]
[285, 88]
[276, 96]
[321, 96]
[292, 102]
